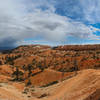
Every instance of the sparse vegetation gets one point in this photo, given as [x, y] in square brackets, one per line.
[43, 67]
[49, 84]
[28, 83]
[17, 74]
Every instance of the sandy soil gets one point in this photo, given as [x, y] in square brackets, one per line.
[79, 87]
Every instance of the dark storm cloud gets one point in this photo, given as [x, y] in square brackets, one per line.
[21, 19]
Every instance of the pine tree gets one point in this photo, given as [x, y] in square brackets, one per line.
[29, 70]
[17, 73]
[40, 67]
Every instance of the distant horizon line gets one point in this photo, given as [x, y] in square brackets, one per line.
[47, 45]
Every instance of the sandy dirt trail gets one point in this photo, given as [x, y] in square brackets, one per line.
[79, 87]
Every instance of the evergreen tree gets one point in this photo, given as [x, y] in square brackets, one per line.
[17, 73]
[40, 66]
[29, 70]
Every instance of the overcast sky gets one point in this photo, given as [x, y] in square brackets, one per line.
[53, 22]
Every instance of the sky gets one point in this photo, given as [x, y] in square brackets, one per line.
[49, 22]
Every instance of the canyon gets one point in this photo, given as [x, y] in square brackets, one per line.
[42, 72]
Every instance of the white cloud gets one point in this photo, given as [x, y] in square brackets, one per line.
[19, 21]
[82, 10]
[91, 10]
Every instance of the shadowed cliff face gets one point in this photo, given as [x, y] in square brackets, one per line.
[83, 86]
[64, 72]
[94, 96]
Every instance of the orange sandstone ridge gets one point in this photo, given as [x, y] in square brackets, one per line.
[37, 72]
